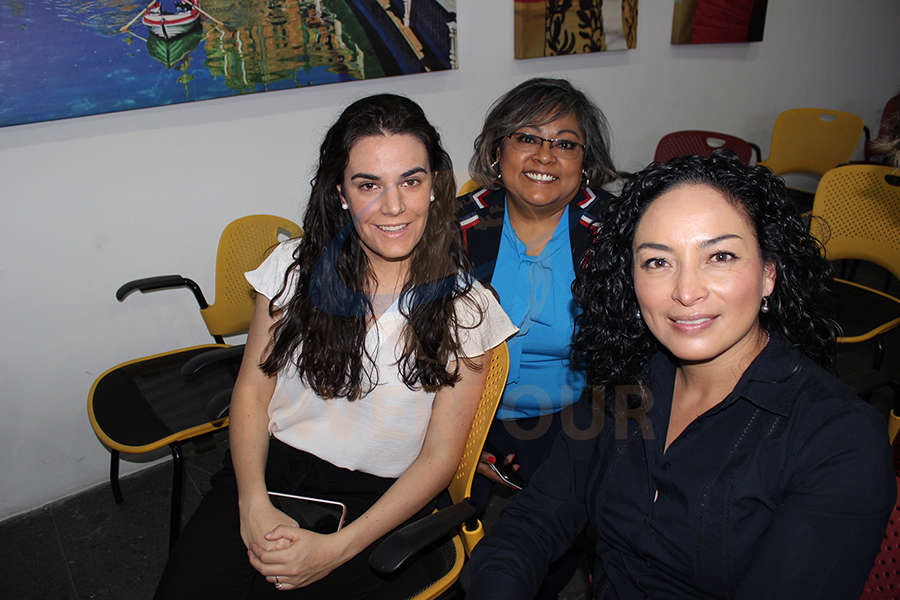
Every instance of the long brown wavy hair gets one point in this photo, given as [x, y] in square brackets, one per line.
[322, 327]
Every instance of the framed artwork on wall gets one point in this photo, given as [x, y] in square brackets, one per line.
[718, 21]
[559, 27]
[70, 58]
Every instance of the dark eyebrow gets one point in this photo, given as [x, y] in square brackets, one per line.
[652, 246]
[705, 244]
[572, 131]
[721, 238]
[371, 177]
[365, 176]
[558, 133]
[413, 171]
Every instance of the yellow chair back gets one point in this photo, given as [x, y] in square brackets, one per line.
[861, 213]
[241, 245]
[468, 187]
[812, 140]
[461, 485]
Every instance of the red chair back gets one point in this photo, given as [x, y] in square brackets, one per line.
[884, 579]
[701, 143]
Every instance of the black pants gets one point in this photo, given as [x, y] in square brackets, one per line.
[210, 560]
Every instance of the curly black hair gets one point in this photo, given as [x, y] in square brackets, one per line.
[322, 328]
[613, 345]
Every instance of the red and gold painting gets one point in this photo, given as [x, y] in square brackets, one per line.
[558, 27]
[718, 21]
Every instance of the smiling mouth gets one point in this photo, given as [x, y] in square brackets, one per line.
[392, 228]
[696, 321]
[540, 177]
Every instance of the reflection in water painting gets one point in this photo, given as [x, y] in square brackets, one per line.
[558, 27]
[70, 58]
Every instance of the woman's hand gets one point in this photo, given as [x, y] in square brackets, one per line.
[260, 518]
[487, 459]
[297, 557]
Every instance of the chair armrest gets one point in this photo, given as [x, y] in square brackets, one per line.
[212, 357]
[219, 405]
[394, 550]
[161, 282]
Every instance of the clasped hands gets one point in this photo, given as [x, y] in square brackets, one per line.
[289, 557]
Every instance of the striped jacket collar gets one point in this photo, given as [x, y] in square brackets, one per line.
[481, 216]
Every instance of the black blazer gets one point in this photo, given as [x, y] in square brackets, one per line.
[481, 220]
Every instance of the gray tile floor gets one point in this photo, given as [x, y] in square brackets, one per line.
[87, 547]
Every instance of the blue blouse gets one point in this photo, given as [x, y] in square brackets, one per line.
[536, 293]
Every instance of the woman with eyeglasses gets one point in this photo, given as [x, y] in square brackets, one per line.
[541, 158]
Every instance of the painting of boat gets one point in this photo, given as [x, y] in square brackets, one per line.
[172, 51]
[172, 25]
[69, 58]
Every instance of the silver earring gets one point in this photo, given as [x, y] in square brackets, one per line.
[765, 305]
[587, 180]
[495, 166]
[431, 199]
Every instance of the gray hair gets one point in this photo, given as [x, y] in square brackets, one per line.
[539, 101]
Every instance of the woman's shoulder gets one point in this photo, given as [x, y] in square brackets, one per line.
[828, 416]
[268, 277]
[481, 322]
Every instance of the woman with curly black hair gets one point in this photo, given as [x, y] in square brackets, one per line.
[730, 463]
[361, 373]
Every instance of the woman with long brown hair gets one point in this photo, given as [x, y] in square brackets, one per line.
[361, 374]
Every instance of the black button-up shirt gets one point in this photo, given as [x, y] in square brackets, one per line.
[782, 490]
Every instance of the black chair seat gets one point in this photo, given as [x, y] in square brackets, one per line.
[149, 402]
[863, 312]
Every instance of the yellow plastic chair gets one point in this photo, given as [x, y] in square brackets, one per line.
[166, 399]
[812, 140]
[445, 560]
[859, 206]
[468, 187]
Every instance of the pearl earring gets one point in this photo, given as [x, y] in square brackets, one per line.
[344, 205]
[431, 199]
[765, 305]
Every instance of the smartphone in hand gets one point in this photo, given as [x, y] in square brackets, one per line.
[505, 472]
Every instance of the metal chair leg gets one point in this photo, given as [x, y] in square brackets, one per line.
[177, 479]
[114, 476]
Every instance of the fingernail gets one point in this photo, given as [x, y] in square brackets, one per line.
[491, 460]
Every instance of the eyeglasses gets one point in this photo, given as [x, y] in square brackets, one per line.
[528, 142]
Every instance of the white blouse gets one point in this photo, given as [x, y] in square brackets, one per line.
[382, 432]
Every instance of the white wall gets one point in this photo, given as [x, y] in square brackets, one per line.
[83, 213]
